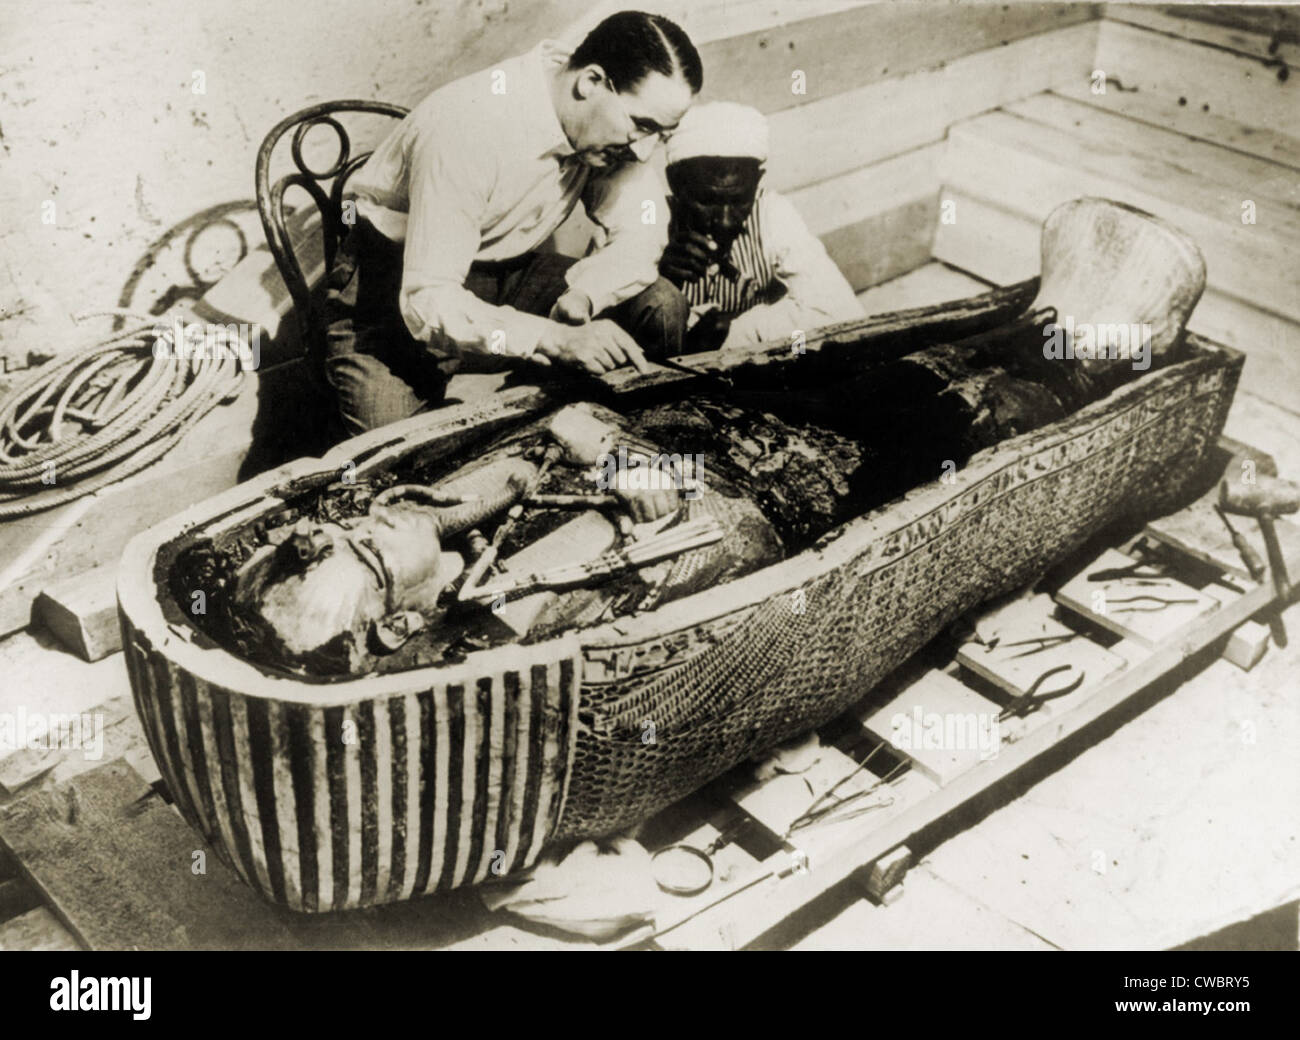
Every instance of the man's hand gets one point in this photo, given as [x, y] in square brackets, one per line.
[687, 257]
[709, 333]
[598, 347]
[573, 308]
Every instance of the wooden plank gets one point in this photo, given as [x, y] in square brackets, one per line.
[778, 801]
[1198, 531]
[1231, 85]
[774, 894]
[1002, 246]
[1030, 169]
[116, 864]
[934, 916]
[877, 222]
[81, 613]
[1194, 121]
[16, 897]
[1013, 668]
[1145, 610]
[1246, 174]
[1189, 22]
[934, 282]
[850, 49]
[944, 727]
[36, 930]
[83, 740]
[1249, 640]
[842, 132]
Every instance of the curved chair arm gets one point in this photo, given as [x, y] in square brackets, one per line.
[270, 198]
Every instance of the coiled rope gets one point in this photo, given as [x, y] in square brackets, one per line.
[106, 410]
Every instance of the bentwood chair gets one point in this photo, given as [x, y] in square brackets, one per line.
[326, 187]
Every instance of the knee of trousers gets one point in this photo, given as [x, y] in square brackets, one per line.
[368, 393]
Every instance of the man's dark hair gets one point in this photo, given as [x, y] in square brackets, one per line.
[631, 44]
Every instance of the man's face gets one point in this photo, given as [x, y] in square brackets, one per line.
[613, 127]
[347, 578]
[714, 195]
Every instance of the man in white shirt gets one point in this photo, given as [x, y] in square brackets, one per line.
[443, 265]
[745, 260]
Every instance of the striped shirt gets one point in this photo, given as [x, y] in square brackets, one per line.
[785, 282]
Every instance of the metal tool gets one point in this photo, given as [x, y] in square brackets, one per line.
[1257, 570]
[1156, 604]
[1265, 499]
[1129, 573]
[1031, 700]
[1040, 643]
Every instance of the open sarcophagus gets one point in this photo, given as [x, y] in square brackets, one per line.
[334, 791]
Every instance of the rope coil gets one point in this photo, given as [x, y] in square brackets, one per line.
[131, 402]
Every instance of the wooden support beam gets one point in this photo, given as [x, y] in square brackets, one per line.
[877, 222]
[37, 929]
[1250, 31]
[81, 613]
[1245, 174]
[1186, 74]
[849, 49]
[882, 881]
[843, 132]
[16, 897]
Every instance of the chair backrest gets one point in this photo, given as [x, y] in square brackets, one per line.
[328, 198]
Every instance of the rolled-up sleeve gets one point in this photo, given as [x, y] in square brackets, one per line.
[631, 216]
[448, 185]
[816, 292]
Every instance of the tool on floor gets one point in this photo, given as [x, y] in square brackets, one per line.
[1265, 498]
[1151, 604]
[1031, 700]
[1040, 643]
[1257, 570]
[1132, 573]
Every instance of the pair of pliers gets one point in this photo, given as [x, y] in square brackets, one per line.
[1126, 573]
[1031, 700]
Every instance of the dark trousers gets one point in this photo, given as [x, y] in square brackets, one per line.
[379, 373]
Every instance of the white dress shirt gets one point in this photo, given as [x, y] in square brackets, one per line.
[482, 170]
[787, 283]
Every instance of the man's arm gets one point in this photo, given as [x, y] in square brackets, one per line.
[816, 293]
[447, 199]
[631, 214]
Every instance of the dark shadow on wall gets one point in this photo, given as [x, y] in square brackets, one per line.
[191, 257]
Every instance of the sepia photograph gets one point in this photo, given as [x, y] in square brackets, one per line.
[728, 475]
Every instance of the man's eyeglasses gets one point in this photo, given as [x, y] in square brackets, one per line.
[642, 127]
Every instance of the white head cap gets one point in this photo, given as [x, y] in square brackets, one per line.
[720, 128]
